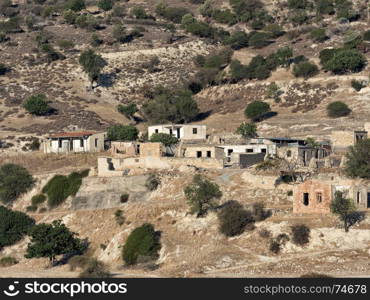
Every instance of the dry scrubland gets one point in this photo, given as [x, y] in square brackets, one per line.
[191, 247]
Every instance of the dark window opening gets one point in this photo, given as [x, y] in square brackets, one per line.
[229, 151]
[60, 143]
[156, 131]
[81, 142]
[209, 154]
[71, 145]
[306, 199]
[250, 150]
[138, 149]
[358, 197]
[289, 153]
[263, 150]
[96, 143]
[319, 197]
[171, 132]
[368, 200]
[195, 130]
[199, 153]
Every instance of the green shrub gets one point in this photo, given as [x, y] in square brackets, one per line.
[14, 181]
[171, 106]
[51, 240]
[358, 85]
[274, 30]
[37, 105]
[257, 110]
[8, 261]
[142, 243]
[122, 133]
[300, 234]
[259, 39]
[70, 16]
[358, 160]
[305, 69]
[60, 187]
[237, 40]
[164, 138]
[366, 35]
[75, 5]
[127, 110]
[344, 60]
[124, 198]
[318, 34]
[174, 14]
[31, 208]
[259, 212]
[224, 16]
[95, 269]
[247, 130]
[201, 195]
[105, 5]
[338, 109]
[118, 215]
[325, 7]
[234, 219]
[13, 226]
[139, 12]
[152, 182]
[38, 199]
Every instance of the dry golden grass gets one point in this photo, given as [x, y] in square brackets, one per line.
[38, 162]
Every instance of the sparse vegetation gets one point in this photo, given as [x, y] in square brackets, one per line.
[247, 130]
[14, 181]
[256, 110]
[95, 269]
[164, 138]
[305, 69]
[60, 187]
[141, 245]
[343, 207]
[338, 109]
[300, 234]
[234, 219]
[358, 160]
[202, 195]
[37, 105]
[122, 133]
[50, 240]
[8, 261]
[13, 226]
[152, 182]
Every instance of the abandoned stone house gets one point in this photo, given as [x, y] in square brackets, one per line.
[316, 195]
[74, 141]
[200, 151]
[302, 154]
[341, 140]
[181, 131]
[130, 149]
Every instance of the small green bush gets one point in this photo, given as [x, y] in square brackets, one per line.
[256, 110]
[301, 234]
[358, 85]
[152, 182]
[8, 261]
[122, 133]
[37, 105]
[14, 181]
[95, 269]
[164, 138]
[259, 39]
[305, 69]
[338, 109]
[120, 219]
[318, 35]
[143, 242]
[234, 219]
[13, 226]
[31, 208]
[60, 187]
[38, 199]
[124, 198]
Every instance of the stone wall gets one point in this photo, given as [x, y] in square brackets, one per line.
[312, 196]
[108, 167]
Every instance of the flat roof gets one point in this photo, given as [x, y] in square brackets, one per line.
[72, 134]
